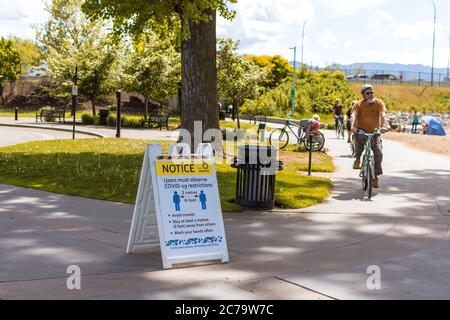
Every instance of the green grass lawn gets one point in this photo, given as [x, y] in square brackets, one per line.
[109, 169]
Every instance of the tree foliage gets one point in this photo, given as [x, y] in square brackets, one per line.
[153, 69]
[29, 53]
[277, 68]
[315, 93]
[71, 43]
[238, 78]
[9, 65]
[135, 16]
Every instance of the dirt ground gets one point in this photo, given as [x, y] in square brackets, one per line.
[435, 144]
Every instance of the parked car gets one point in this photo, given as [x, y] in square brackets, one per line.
[384, 76]
[357, 77]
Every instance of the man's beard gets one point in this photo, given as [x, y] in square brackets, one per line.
[370, 100]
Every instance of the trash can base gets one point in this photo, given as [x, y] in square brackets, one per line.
[256, 204]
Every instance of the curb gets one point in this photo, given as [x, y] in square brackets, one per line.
[98, 135]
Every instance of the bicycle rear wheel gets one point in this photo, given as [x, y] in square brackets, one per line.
[279, 138]
[318, 141]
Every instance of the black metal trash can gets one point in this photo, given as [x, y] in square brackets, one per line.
[255, 181]
[222, 114]
[104, 114]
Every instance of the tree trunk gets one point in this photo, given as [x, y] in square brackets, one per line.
[199, 96]
[1, 94]
[93, 107]
[145, 108]
[236, 113]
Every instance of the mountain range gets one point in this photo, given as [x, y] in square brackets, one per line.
[410, 72]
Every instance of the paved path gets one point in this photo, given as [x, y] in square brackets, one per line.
[10, 135]
[106, 132]
[318, 253]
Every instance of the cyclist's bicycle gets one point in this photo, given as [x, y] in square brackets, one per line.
[367, 172]
[280, 137]
[340, 127]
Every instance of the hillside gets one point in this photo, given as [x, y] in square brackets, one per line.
[407, 98]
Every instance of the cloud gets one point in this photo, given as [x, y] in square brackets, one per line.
[17, 16]
[328, 39]
[266, 25]
[380, 22]
[349, 7]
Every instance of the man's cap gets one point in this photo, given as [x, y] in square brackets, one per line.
[366, 87]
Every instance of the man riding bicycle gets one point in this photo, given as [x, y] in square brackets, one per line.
[338, 112]
[368, 116]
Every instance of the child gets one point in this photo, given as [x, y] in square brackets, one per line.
[315, 126]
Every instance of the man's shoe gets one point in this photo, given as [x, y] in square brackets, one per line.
[357, 164]
[375, 183]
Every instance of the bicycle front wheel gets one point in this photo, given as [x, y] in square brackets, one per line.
[318, 141]
[369, 179]
[279, 138]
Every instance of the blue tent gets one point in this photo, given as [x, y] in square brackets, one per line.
[435, 127]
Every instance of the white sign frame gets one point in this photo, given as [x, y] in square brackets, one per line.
[147, 230]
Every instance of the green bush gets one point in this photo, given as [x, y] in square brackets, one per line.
[127, 122]
[111, 108]
[315, 93]
[88, 119]
[134, 123]
[111, 121]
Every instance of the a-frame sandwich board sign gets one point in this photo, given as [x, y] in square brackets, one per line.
[178, 207]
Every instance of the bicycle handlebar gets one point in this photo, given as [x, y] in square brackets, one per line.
[376, 132]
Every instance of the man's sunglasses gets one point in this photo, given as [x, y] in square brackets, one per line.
[369, 93]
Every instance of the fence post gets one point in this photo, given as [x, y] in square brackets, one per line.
[419, 79]
[16, 113]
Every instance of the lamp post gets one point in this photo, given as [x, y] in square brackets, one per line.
[448, 62]
[303, 40]
[434, 43]
[294, 80]
[74, 100]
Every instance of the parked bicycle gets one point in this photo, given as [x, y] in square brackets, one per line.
[280, 137]
[367, 172]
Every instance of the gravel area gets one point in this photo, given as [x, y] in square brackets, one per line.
[435, 144]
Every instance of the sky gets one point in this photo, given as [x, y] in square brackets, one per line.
[336, 31]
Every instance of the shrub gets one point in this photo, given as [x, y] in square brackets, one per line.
[88, 119]
[315, 93]
[111, 121]
[134, 123]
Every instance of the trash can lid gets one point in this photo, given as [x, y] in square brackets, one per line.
[257, 154]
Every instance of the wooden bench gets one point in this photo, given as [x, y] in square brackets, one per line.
[159, 119]
[51, 113]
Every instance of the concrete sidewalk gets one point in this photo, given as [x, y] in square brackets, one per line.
[322, 252]
[101, 131]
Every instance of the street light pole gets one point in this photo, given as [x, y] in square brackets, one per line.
[74, 101]
[448, 62]
[303, 39]
[294, 80]
[434, 42]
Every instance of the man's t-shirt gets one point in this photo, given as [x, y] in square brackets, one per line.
[368, 115]
[338, 110]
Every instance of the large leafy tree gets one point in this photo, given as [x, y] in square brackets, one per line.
[29, 53]
[238, 78]
[78, 50]
[153, 68]
[9, 65]
[277, 67]
[196, 20]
